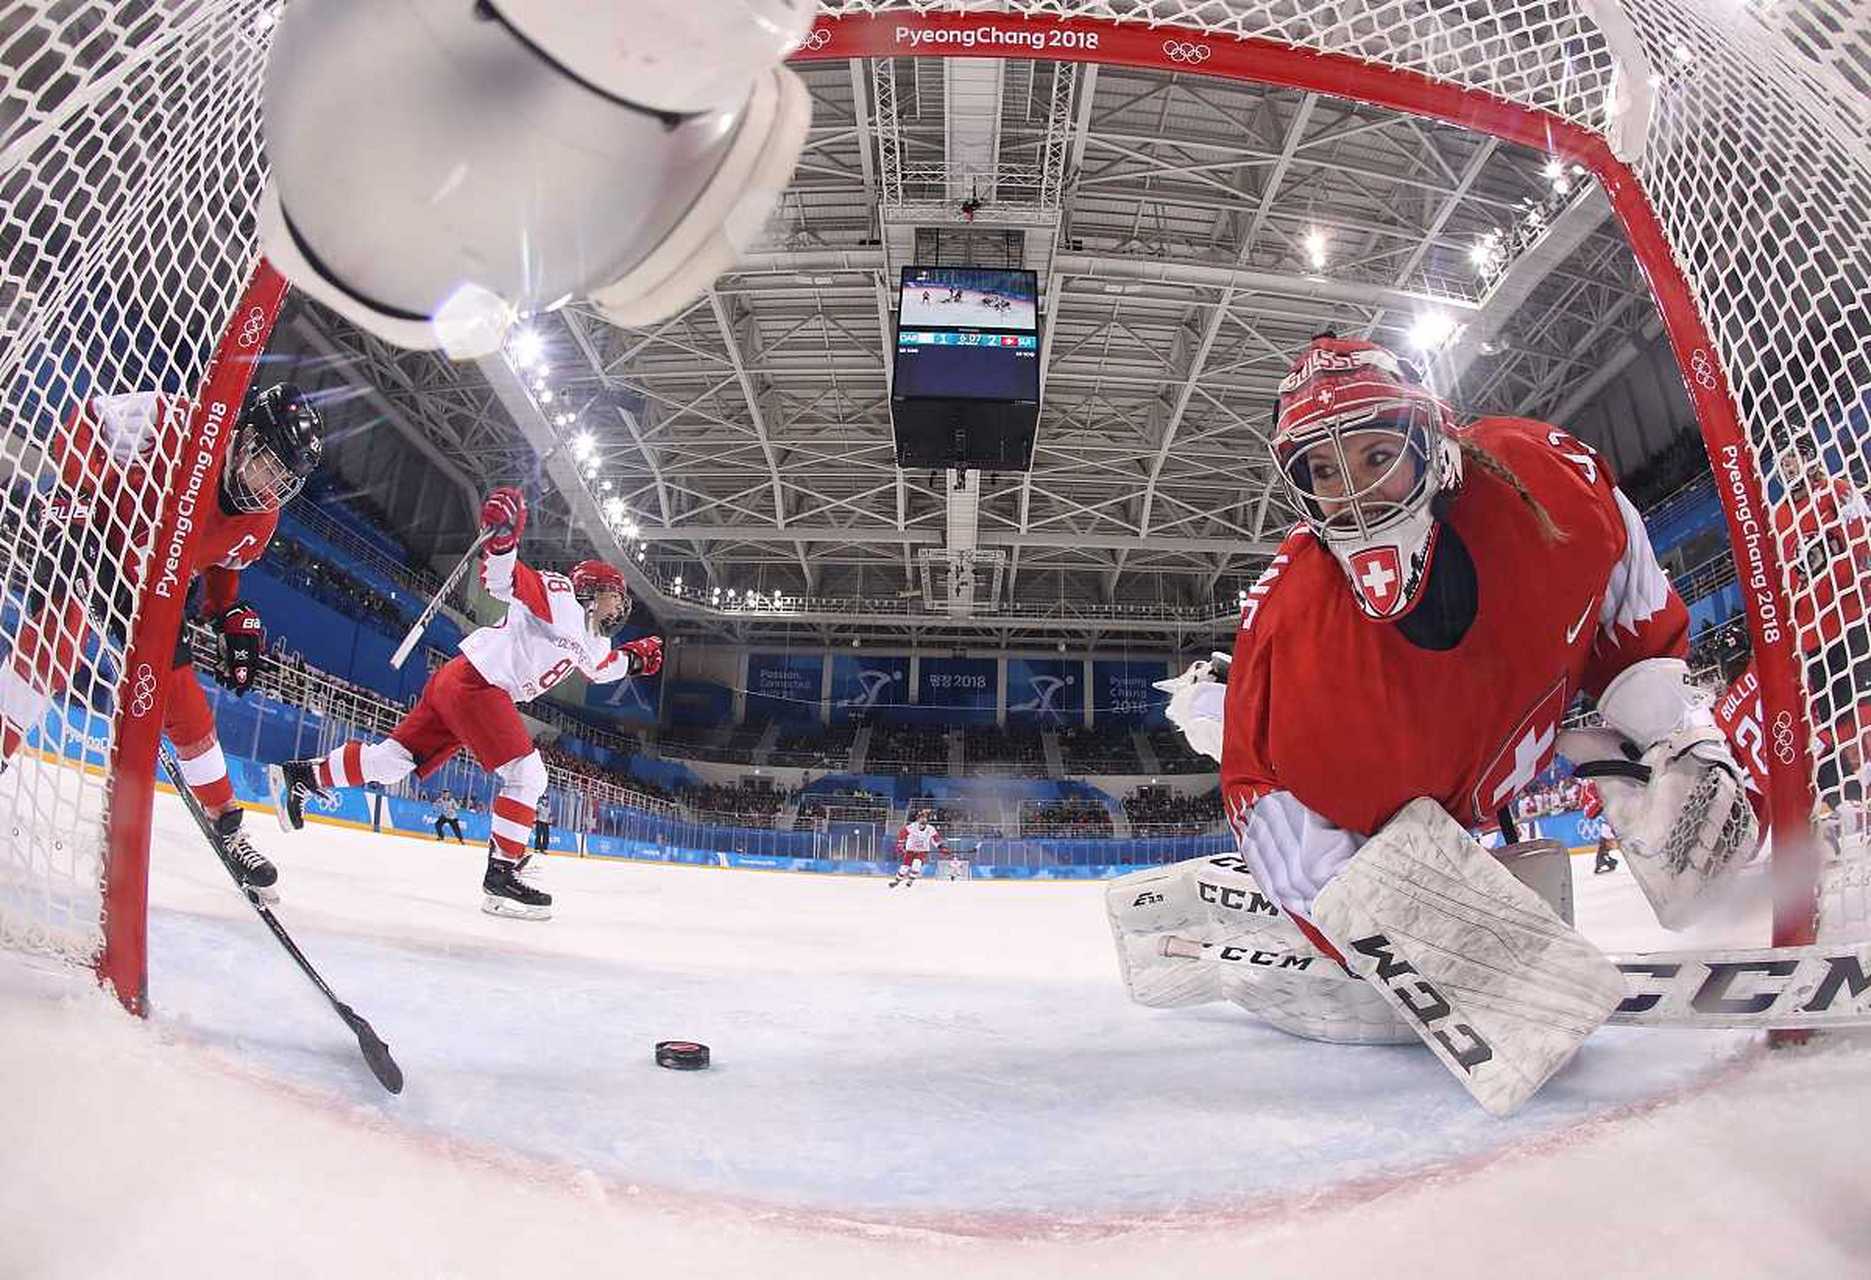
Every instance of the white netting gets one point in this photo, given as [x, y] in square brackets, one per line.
[129, 158]
[1757, 162]
[129, 165]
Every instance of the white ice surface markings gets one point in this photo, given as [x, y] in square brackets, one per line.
[962, 1056]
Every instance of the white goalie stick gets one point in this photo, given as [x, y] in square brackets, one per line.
[1818, 987]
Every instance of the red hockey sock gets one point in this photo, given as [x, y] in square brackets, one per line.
[343, 767]
[512, 827]
[206, 775]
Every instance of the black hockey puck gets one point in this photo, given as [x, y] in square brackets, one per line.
[681, 1055]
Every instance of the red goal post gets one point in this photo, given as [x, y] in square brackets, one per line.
[1697, 120]
[130, 168]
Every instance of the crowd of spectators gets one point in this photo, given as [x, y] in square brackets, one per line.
[1550, 795]
[299, 569]
[1723, 650]
[1162, 812]
[1099, 750]
[953, 818]
[1064, 818]
[1020, 750]
[745, 803]
[848, 804]
[815, 748]
[1681, 460]
[907, 746]
[1175, 755]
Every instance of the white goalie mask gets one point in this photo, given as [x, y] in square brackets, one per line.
[1363, 451]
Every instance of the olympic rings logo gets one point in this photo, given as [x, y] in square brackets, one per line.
[1180, 52]
[252, 327]
[1703, 367]
[143, 692]
[1783, 737]
[817, 40]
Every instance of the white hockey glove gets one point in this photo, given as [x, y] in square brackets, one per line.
[1195, 702]
[1673, 791]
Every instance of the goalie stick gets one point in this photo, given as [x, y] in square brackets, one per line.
[376, 1052]
[1817, 987]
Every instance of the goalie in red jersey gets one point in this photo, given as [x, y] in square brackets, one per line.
[1400, 673]
[103, 501]
[556, 624]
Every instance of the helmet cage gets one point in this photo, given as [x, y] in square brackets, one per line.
[1323, 469]
[258, 480]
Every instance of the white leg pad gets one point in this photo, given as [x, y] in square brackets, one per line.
[1498, 986]
[1245, 950]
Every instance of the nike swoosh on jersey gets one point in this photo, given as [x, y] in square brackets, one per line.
[1572, 632]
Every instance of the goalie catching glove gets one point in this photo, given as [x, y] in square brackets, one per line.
[1672, 789]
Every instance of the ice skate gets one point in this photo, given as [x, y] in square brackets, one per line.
[256, 875]
[292, 784]
[508, 895]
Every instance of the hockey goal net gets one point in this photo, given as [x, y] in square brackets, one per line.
[130, 163]
[1731, 140]
[1730, 137]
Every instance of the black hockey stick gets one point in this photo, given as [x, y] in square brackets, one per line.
[376, 1052]
[468, 558]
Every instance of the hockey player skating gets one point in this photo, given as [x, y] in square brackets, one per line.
[556, 624]
[916, 843]
[1400, 673]
[102, 500]
[1593, 806]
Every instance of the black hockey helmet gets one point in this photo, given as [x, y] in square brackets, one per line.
[276, 446]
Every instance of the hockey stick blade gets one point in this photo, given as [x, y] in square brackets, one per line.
[370, 1044]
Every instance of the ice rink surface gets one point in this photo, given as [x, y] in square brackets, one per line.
[944, 1080]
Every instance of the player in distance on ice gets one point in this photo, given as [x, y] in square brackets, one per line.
[556, 624]
[1400, 674]
[916, 843]
[105, 500]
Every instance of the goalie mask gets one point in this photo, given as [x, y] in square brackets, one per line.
[275, 447]
[603, 592]
[1364, 451]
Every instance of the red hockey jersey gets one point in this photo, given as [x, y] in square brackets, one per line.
[108, 459]
[1824, 539]
[1355, 721]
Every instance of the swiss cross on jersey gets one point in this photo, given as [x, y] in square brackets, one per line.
[1527, 750]
[1378, 572]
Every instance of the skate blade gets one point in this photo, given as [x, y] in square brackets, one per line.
[267, 897]
[276, 784]
[494, 906]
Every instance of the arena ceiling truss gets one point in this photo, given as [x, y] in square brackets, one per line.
[1190, 235]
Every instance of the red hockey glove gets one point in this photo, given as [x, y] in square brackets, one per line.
[646, 655]
[242, 638]
[504, 511]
